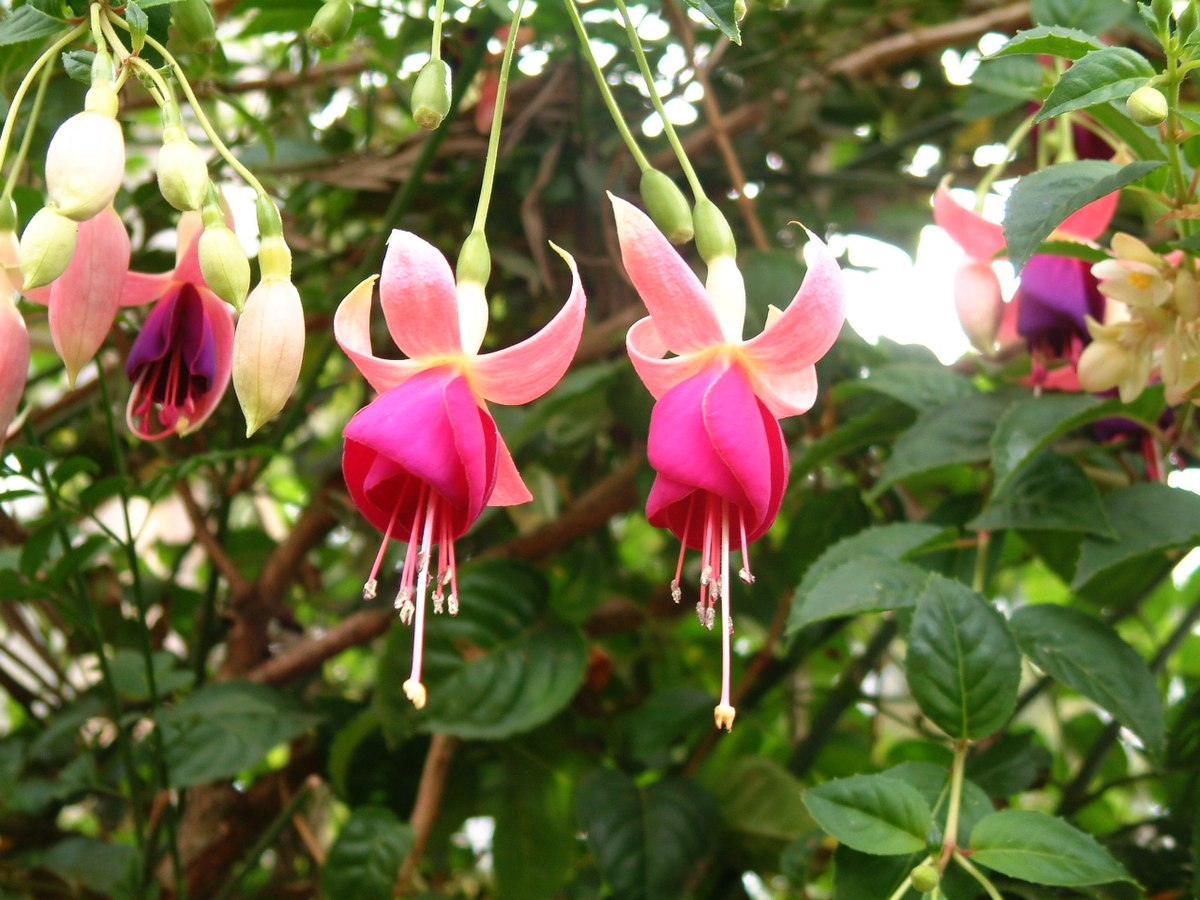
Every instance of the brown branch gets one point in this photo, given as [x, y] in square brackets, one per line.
[425, 808]
[277, 81]
[307, 656]
[216, 553]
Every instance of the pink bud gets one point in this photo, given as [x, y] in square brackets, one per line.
[267, 350]
[979, 304]
[85, 164]
[10, 265]
[14, 362]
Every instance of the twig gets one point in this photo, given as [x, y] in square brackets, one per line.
[216, 553]
[425, 808]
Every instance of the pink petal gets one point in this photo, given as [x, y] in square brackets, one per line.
[140, 287]
[674, 297]
[187, 246]
[352, 330]
[809, 326]
[83, 300]
[786, 393]
[525, 371]
[14, 363]
[1090, 221]
[220, 317]
[646, 352]
[977, 236]
[510, 489]
[420, 303]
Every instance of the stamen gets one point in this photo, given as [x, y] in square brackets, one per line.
[372, 585]
[413, 688]
[724, 712]
[744, 572]
[676, 591]
[452, 604]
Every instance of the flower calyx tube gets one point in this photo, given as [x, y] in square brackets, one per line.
[222, 260]
[331, 23]
[431, 95]
[182, 169]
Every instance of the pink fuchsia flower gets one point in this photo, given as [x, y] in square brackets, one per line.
[181, 360]
[424, 459]
[83, 301]
[715, 442]
[14, 359]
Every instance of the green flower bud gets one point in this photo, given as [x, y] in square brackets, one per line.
[8, 215]
[182, 169]
[47, 246]
[223, 262]
[713, 235]
[667, 206]
[193, 19]
[1188, 20]
[925, 878]
[431, 94]
[269, 222]
[1147, 105]
[474, 260]
[331, 23]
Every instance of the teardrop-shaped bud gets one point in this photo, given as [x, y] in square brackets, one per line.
[431, 94]
[193, 20]
[268, 349]
[714, 237]
[85, 163]
[14, 362]
[223, 262]
[1147, 105]
[979, 303]
[10, 252]
[331, 23]
[667, 205]
[46, 246]
[182, 169]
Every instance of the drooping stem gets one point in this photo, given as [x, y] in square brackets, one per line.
[435, 49]
[902, 890]
[957, 769]
[493, 150]
[648, 77]
[27, 137]
[974, 872]
[997, 169]
[605, 91]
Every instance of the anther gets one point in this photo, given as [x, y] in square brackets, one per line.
[709, 618]
[744, 574]
[452, 604]
[370, 588]
[700, 611]
[439, 602]
[705, 575]
[676, 592]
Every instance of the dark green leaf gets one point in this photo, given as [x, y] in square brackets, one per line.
[872, 813]
[107, 869]
[1028, 426]
[1051, 494]
[1039, 848]
[1020, 78]
[761, 805]
[128, 669]
[721, 14]
[1051, 40]
[28, 24]
[923, 387]
[366, 855]
[1087, 656]
[858, 586]
[221, 729]
[933, 783]
[877, 425]
[963, 667]
[647, 841]
[533, 845]
[1103, 75]
[1040, 201]
[78, 65]
[1149, 519]
[95, 494]
[1093, 16]
[75, 465]
[1010, 765]
[665, 719]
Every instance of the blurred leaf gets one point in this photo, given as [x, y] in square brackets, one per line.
[665, 719]
[923, 387]
[1088, 656]
[1045, 850]
[720, 13]
[28, 24]
[962, 665]
[872, 813]
[138, 23]
[1051, 494]
[108, 869]
[1093, 16]
[534, 844]
[1051, 40]
[129, 674]
[648, 842]
[762, 807]
[366, 855]
[1010, 765]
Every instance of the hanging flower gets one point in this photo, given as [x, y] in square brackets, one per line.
[181, 360]
[424, 459]
[14, 359]
[715, 441]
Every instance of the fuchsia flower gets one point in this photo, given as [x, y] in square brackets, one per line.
[14, 339]
[181, 360]
[715, 442]
[424, 458]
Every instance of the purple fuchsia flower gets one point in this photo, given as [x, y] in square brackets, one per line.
[181, 360]
[715, 441]
[423, 459]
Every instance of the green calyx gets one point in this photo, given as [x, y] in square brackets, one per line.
[667, 205]
[8, 215]
[274, 259]
[1147, 105]
[193, 19]
[474, 260]
[431, 94]
[331, 23]
[269, 222]
[714, 237]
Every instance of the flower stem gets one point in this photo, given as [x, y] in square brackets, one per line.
[605, 92]
[974, 872]
[648, 77]
[489, 165]
[435, 49]
[1010, 147]
[27, 137]
[950, 840]
[902, 890]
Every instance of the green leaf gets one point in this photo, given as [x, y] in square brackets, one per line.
[28, 24]
[1050, 40]
[498, 668]
[1010, 765]
[365, 857]
[1039, 848]
[665, 719]
[1020, 79]
[1051, 494]
[877, 425]
[128, 669]
[955, 434]
[1040, 201]
[1029, 426]
[761, 806]
[1103, 75]
[923, 387]
[963, 667]
[108, 869]
[533, 846]
[721, 14]
[648, 842]
[1088, 656]
[221, 729]
[1094, 16]
[933, 783]
[139, 24]
[1149, 519]
[872, 813]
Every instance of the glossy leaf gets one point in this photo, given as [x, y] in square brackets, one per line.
[1051, 494]
[366, 855]
[28, 24]
[1088, 656]
[720, 13]
[872, 813]
[1103, 75]
[1029, 426]
[1051, 40]
[923, 387]
[963, 667]
[1045, 850]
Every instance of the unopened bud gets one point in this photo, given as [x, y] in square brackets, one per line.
[268, 349]
[193, 19]
[979, 304]
[14, 363]
[10, 252]
[182, 169]
[46, 247]
[713, 235]
[667, 205]
[1187, 294]
[85, 163]
[223, 262]
[431, 94]
[331, 23]
[925, 878]
[474, 260]
[1147, 105]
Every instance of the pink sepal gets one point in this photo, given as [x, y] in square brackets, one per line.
[420, 303]
[979, 238]
[352, 331]
[14, 363]
[646, 349]
[787, 393]
[510, 487]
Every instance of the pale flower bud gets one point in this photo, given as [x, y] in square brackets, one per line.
[1187, 294]
[10, 265]
[667, 205]
[331, 23]
[46, 247]
[86, 159]
[223, 262]
[268, 348]
[182, 169]
[1147, 105]
[1102, 366]
[14, 362]
[979, 303]
[431, 94]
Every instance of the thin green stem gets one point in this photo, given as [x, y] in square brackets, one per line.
[982, 543]
[114, 40]
[974, 872]
[605, 92]
[648, 77]
[493, 150]
[902, 890]
[996, 170]
[1179, 182]
[96, 15]
[27, 137]
[435, 49]
[19, 96]
[950, 840]
[160, 90]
